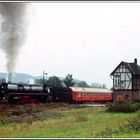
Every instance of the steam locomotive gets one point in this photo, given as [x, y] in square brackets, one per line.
[21, 93]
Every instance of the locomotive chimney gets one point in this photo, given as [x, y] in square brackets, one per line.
[135, 61]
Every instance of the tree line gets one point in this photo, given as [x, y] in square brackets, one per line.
[68, 81]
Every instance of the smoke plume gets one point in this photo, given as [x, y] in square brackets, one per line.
[13, 31]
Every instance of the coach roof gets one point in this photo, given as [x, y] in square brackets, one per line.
[82, 89]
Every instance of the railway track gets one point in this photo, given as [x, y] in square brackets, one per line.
[91, 105]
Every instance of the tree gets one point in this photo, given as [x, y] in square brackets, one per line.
[2, 80]
[98, 85]
[104, 85]
[69, 81]
[40, 81]
[82, 84]
[55, 81]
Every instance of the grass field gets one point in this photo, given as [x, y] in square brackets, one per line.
[57, 120]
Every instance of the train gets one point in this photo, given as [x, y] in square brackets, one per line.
[22, 93]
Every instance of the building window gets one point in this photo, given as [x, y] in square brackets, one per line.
[126, 97]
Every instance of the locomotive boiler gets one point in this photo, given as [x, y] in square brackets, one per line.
[17, 93]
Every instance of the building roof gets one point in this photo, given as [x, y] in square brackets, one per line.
[133, 67]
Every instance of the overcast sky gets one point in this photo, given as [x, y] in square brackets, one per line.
[87, 40]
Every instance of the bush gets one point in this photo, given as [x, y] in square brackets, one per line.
[4, 120]
[123, 107]
[134, 107]
[135, 101]
[132, 126]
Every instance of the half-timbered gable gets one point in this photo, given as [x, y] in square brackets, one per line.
[126, 81]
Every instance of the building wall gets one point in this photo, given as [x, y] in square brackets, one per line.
[123, 95]
[136, 82]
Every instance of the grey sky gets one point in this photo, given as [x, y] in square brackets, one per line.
[87, 40]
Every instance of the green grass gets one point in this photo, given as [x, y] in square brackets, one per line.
[57, 120]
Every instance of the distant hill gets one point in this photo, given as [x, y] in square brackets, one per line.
[21, 77]
[25, 78]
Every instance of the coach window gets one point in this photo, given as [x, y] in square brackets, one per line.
[77, 94]
[84, 95]
[90, 94]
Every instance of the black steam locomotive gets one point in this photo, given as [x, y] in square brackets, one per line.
[19, 93]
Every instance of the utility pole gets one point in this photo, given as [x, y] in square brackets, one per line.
[43, 77]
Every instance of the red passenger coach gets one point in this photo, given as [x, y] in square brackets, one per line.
[90, 94]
